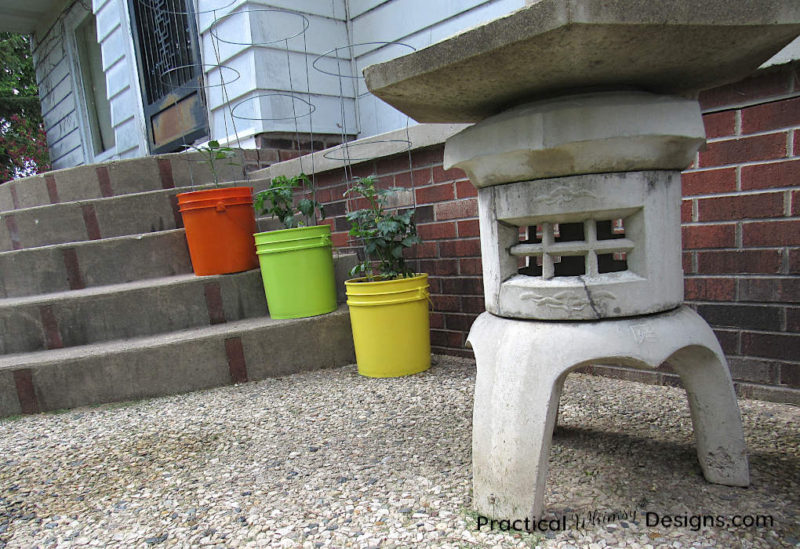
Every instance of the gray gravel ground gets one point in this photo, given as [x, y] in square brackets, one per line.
[332, 459]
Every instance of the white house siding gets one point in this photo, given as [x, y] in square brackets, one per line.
[269, 66]
[57, 94]
[58, 77]
[122, 87]
[416, 23]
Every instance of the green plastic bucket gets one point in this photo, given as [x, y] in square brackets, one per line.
[297, 270]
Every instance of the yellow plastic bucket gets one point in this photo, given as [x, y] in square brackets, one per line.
[391, 328]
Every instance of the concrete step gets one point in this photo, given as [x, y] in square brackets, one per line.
[135, 309]
[116, 178]
[178, 362]
[95, 219]
[78, 265]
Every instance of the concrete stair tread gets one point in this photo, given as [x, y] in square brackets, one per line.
[136, 344]
[175, 362]
[109, 289]
[96, 218]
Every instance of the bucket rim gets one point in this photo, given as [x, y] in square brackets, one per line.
[325, 228]
[206, 194]
[362, 281]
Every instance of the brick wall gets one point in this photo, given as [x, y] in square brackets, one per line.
[741, 225]
[741, 234]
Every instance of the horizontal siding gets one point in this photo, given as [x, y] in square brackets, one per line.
[359, 7]
[57, 95]
[62, 127]
[119, 67]
[264, 68]
[414, 23]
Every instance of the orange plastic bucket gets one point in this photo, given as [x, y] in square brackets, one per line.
[219, 229]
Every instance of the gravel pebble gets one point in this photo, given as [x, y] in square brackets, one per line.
[333, 459]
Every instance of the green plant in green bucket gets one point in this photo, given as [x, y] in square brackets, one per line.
[296, 262]
[278, 201]
[388, 308]
[385, 234]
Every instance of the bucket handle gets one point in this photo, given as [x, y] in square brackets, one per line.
[422, 293]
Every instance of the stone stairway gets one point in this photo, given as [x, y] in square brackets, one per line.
[98, 302]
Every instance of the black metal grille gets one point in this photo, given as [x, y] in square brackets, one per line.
[165, 39]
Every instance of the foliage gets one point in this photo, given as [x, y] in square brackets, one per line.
[385, 234]
[280, 198]
[23, 145]
[213, 152]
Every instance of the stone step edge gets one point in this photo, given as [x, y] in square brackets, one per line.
[116, 177]
[254, 184]
[178, 362]
[340, 260]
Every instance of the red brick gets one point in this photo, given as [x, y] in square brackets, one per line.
[393, 164]
[793, 319]
[460, 248]
[779, 346]
[771, 233]
[728, 340]
[747, 261]
[686, 211]
[435, 193]
[794, 261]
[796, 151]
[747, 317]
[687, 263]
[473, 266]
[450, 303]
[469, 227]
[709, 289]
[709, 181]
[440, 174]
[459, 209]
[435, 231]
[796, 203]
[460, 323]
[473, 304]
[425, 250]
[339, 240]
[439, 267]
[444, 338]
[770, 289]
[436, 320]
[790, 375]
[771, 116]
[737, 151]
[421, 178]
[769, 84]
[748, 206]
[288, 155]
[774, 175]
[426, 157]
[462, 285]
[720, 124]
[465, 189]
[709, 236]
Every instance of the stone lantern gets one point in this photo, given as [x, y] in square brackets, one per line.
[585, 114]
